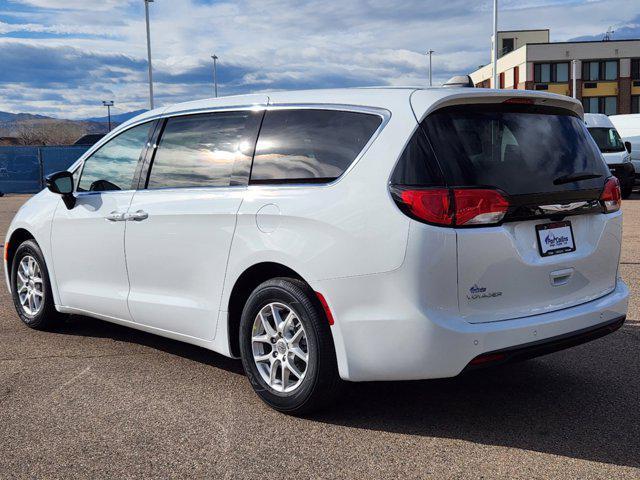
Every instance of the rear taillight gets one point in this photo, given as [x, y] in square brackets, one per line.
[452, 207]
[611, 197]
[479, 206]
[431, 205]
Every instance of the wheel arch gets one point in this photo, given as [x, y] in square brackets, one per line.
[242, 288]
[18, 236]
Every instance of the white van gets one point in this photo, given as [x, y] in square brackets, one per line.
[616, 153]
[628, 126]
[355, 234]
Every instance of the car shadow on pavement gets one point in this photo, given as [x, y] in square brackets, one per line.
[582, 403]
[78, 325]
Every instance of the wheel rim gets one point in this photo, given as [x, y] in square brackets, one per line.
[280, 348]
[29, 285]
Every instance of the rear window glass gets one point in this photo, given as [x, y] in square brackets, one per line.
[520, 149]
[310, 146]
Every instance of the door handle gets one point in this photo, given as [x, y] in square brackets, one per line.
[115, 216]
[137, 216]
[561, 277]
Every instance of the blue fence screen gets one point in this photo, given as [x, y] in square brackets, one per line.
[22, 169]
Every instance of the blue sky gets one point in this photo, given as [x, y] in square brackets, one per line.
[63, 57]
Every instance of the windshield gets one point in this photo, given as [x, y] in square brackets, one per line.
[607, 139]
[520, 149]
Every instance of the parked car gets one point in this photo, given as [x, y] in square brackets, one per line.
[615, 152]
[327, 235]
[628, 126]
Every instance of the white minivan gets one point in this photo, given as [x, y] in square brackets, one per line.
[356, 234]
[615, 152]
[628, 126]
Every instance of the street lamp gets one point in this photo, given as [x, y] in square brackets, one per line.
[494, 60]
[108, 104]
[430, 53]
[215, 74]
[146, 12]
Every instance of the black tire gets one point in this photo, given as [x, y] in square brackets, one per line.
[46, 316]
[626, 192]
[320, 383]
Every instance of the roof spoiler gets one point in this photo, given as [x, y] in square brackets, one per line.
[459, 81]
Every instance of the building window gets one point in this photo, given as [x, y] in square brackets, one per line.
[635, 69]
[635, 104]
[562, 72]
[606, 105]
[551, 72]
[600, 70]
[507, 45]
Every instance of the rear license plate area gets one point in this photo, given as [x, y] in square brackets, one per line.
[555, 238]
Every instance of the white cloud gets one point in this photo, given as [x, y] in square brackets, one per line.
[91, 5]
[268, 44]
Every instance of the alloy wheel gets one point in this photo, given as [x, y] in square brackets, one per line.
[29, 285]
[280, 348]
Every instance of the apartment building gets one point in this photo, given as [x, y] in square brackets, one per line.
[607, 73]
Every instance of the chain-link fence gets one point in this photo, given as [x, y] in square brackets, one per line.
[22, 169]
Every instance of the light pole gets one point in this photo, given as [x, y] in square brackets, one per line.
[108, 104]
[430, 53]
[215, 74]
[494, 60]
[146, 12]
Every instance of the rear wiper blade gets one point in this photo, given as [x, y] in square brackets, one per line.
[575, 177]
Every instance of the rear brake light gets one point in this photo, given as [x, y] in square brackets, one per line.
[611, 197]
[520, 101]
[430, 205]
[479, 206]
[451, 207]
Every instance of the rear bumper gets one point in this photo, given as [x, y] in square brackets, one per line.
[546, 346]
[418, 344]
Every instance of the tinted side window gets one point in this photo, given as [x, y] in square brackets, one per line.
[113, 166]
[312, 146]
[208, 150]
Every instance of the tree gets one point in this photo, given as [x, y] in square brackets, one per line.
[49, 132]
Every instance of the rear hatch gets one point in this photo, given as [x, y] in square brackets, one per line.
[555, 245]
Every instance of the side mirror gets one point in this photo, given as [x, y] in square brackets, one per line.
[62, 184]
[627, 145]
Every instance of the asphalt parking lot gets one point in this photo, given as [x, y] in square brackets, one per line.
[102, 401]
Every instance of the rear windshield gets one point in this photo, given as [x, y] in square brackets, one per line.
[520, 149]
[607, 139]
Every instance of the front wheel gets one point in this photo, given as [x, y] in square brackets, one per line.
[286, 347]
[30, 287]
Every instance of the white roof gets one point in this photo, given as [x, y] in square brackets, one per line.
[380, 97]
[597, 120]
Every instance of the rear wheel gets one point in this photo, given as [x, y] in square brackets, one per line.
[286, 347]
[30, 287]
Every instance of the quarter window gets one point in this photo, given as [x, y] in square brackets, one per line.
[113, 166]
[207, 150]
[308, 145]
